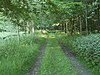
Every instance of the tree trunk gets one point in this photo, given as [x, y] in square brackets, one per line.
[86, 19]
[32, 28]
[27, 28]
[98, 18]
[65, 28]
[80, 25]
[72, 26]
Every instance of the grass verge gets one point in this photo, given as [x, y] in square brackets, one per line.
[16, 58]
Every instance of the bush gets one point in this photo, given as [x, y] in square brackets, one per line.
[86, 47]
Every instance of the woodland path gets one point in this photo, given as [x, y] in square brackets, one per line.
[81, 70]
[35, 67]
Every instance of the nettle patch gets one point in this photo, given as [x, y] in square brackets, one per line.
[85, 47]
[89, 48]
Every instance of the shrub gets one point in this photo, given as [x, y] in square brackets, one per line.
[86, 47]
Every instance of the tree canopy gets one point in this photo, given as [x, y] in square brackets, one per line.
[73, 15]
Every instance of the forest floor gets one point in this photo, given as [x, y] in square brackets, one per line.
[76, 65]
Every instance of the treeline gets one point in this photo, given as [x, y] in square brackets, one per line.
[70, 16]
[82, 16]
[20, 12]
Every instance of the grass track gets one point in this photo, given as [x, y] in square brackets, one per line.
[54, 61]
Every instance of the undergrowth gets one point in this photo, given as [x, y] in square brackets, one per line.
[85, 47]
[16, 58]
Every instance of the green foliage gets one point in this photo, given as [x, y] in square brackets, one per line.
[89, 49]
[54, 61]
[48, 12]
[86, 47]
[6, 24]
[16, 58]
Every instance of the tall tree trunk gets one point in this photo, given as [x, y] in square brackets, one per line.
[98, 18]
[80, 25]
[72, 26]
[33, 30]
[65, 28]
[32, 27]
[27, 28]
[86, 19]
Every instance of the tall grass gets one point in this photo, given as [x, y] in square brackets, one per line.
[16, 58]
